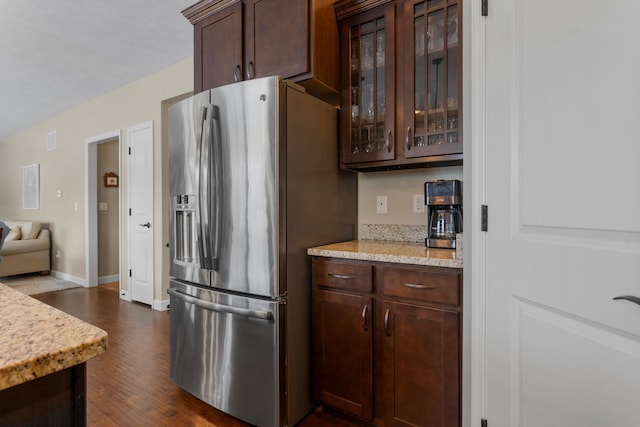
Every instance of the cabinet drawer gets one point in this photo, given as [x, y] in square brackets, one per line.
[421, 285]
[343, 275]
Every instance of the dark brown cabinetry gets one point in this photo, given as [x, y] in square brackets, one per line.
[342, 310]
[396, 363]
[421, 347]
[57, 399]
[367, 119]
[217, 47]
[343, 328]
[400, 83]
[243, 39]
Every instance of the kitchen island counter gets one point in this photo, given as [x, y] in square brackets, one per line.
[43, 362]
[390, 251]
[38, 339]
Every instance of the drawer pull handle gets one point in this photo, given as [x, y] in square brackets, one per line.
[386, 323]
[364, 317]
[414, 286]
[341, 276]
[629, 298]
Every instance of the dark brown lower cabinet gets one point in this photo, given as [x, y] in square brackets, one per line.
[388, 351]
[343, 375]
[421, 366]
[57, 399]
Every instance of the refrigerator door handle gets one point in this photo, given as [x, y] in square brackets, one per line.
[221, 308]
[209, 215]
[216, 147]
[200, 226]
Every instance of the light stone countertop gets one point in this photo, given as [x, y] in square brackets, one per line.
[37, 339]
[389, 251]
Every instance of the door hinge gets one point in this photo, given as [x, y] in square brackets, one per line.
[484, 218]
[485, 7]
[130, 274]
[130, 147]
[129, 211]
[483, 423]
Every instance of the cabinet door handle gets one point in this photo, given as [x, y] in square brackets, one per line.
[237, 73]
[386, 323]
[629, 298]
[414, 286]
[407, 139]
[388, 141]
[250, 71]
[364, 317]
[341, 276]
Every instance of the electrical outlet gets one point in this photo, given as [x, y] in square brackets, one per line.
[381, 204]
[418, 203]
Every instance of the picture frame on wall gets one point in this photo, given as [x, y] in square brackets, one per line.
[31, 186]
[110, 179]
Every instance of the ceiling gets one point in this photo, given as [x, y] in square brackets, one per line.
[55, 55]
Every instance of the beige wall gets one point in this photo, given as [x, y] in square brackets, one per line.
[108, 219]
[64, 168]
[399, 187]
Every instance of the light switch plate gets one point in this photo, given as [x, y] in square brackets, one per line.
[381, 204]
[418, 203]
[102, 206]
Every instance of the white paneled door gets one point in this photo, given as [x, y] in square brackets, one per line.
[562, 175]
[140, 224]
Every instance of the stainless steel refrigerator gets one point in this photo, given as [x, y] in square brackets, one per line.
[254, 181]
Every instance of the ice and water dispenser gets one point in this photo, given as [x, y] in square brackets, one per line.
[186, 249]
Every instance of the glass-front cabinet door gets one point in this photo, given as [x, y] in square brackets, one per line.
[367, 115]
[433, 85]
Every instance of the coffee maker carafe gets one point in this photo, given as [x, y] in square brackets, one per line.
[444, 212]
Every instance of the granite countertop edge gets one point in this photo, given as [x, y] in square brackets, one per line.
[39, 340]
[389, 251]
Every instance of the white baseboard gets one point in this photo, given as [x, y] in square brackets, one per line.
[108, 279]
[69, 278]
[161, 305]
[124, 295]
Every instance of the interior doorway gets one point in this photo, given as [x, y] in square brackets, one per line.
[107, 190]
[92, 182]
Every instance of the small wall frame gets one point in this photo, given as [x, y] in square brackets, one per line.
[110, 179]
[31, 186]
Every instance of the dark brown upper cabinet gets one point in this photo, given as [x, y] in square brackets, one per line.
[237, 40]
[400, 83]
[367, 117]
[433, 87]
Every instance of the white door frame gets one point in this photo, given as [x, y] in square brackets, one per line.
[474, 175]
[91, 205]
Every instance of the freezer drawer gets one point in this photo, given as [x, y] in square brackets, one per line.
[225, 350]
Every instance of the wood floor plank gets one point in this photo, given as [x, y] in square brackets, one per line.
[129, 385]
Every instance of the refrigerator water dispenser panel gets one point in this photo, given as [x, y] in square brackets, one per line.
[185, 229]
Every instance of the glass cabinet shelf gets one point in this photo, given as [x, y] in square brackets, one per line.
[436, 84]
[369, 121]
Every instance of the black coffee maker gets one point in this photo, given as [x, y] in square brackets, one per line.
[444, 212]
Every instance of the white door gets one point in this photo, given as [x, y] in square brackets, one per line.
[140, 225]
[562, 174]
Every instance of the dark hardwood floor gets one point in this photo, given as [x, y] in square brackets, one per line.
[129, 385]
